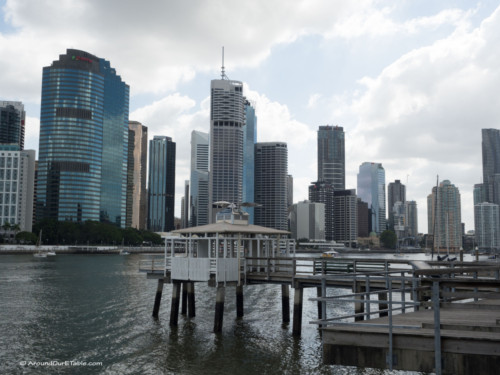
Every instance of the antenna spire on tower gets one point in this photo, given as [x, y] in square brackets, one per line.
[223, 72]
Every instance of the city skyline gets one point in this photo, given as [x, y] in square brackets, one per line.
[410, 85]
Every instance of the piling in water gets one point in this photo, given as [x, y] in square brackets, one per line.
[159, 291]
[219, 308]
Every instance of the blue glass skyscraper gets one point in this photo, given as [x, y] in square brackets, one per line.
[371, 189]
[82, 170]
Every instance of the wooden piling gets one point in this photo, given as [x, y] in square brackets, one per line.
[159, 291]
[174, 309]
[285, 303]
[190, 299]
[239, 301]
[219, 308]
[184, 299]
[382, 296]
[318, 294]
[297, 311]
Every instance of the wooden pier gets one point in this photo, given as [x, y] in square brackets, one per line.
[441, 317]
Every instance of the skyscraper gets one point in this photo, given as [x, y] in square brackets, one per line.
[249, 140]
[199, 179]
[227, 120]
[487, 226]
[444, 213]
[396, 192]
[82, 169]
[137, 198]
[271, 171]
[491, 165]
[371, 189]
[161, 183]
[12, 117]
[411, 218]
[345, 217]
[331, 156]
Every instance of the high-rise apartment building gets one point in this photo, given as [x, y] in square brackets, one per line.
[411, 218]
[323, 192]
[271, 171]
[199, 179]
[487, 226]
[227, 120]
[491, 165]
[137, 198]
[17, 175]
[249, 141]
[444, 216]
[396, 192]
[371, 189]
[331, 156]
[12, 117]
[345, 217]
[161, 184]
[83, 152]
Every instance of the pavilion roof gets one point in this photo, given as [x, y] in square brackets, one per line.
[231, 228]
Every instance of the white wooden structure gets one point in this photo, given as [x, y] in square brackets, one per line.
[217, 251]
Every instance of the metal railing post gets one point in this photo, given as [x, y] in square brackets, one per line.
[390, 356]
[403, 293]
[437, 327]
[367, 297]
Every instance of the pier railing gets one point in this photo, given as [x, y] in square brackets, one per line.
[434, 288]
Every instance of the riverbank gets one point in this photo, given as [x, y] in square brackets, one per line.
[30, 249]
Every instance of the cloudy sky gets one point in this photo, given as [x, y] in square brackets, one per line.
[412, 82]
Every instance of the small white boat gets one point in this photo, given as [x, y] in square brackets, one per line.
[51, 253]
[124, 252]
[40, 254]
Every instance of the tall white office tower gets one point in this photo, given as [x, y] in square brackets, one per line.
[199, 179]
[227, 120]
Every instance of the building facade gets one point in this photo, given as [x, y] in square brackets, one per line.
[249, 141]
[371, 189]
[227, 120]
[12, 123]
[411, 218]
[83, 150]
[17, 176]
[161, 184]
[491, 165]
[137, 198]
[199, 198]
[396, 192]
[345, 217]
[271, 171]
[444, 217]
[323, 192]
[307, 221]
[331, 156]
[487, 226]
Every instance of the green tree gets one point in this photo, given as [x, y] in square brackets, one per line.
[388, 239]
[27, 238]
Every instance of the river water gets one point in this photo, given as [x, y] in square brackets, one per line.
[91, 314]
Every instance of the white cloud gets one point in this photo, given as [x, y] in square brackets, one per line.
[423, 114]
